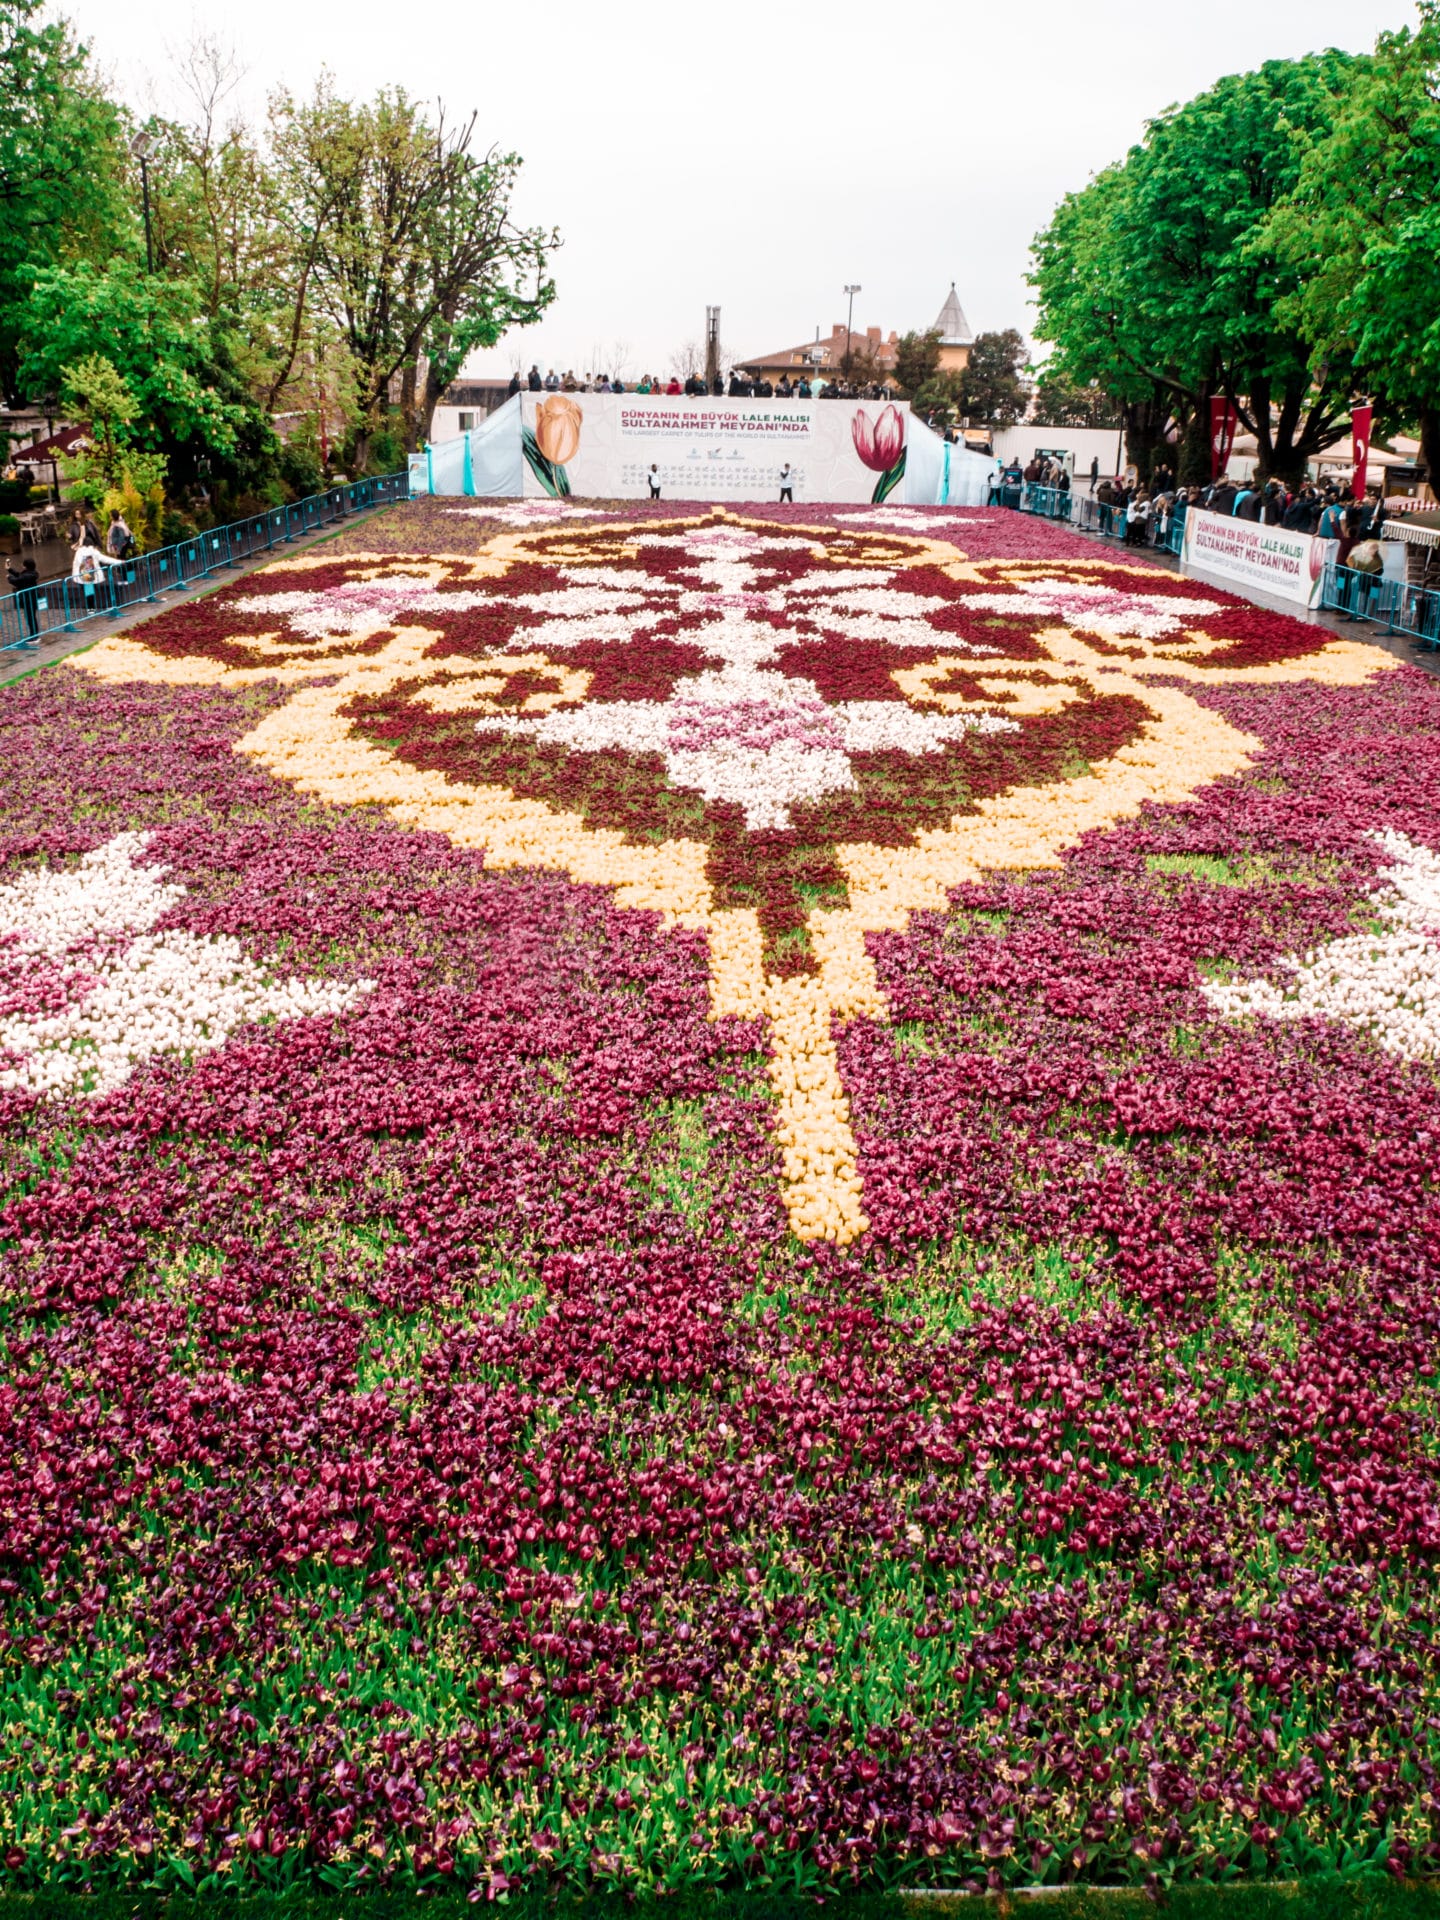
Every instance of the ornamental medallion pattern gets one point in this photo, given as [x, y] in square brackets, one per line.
[788, 736]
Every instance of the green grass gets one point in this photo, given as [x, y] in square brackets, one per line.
[1362, 1896]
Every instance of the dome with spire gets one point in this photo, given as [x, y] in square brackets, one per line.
[952, 326]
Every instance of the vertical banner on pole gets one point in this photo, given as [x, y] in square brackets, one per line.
[468, 478]
[1361, 421]
[1223, 421]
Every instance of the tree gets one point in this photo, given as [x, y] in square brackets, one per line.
[917, 361]
[1065, 403]
[1094, 323]
[1360, 233]
[94, 391]
[61, 165]
[408, 242]
[993, 388]
[189, 405]
[1165, 263]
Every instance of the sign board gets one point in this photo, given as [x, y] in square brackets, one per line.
[614, 446]
[1243, 553]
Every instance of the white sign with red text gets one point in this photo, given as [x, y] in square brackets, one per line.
[1243, 553]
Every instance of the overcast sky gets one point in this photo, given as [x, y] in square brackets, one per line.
[761, 154]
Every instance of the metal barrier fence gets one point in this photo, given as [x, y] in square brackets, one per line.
[1088, 515]
[60, 606]
[1393, 604]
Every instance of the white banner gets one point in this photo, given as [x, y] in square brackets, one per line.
[1289, 566]
[621, 446]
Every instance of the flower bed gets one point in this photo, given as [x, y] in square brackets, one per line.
[701, 1196]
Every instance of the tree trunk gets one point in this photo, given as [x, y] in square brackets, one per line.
[1194, 453]
[407, 406]
[429, 400]
[1145, 432]
[1430, 444]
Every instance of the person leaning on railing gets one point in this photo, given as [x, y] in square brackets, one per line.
[87, 569]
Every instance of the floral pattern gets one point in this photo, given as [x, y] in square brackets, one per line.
[506, 1380]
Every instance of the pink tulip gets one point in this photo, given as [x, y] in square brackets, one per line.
[881, 442]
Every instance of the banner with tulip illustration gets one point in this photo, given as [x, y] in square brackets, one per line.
[612, 446]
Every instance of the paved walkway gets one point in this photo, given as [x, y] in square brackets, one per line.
[17, 662]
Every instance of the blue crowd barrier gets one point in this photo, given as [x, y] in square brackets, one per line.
[1087, 514]
[60, 606]
[1393, 604]
[1051, 503]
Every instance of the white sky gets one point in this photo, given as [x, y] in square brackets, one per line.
[762, 154]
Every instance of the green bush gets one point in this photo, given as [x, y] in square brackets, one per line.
[300, 467]
[8, 525]
[387, 451]
[175, 527]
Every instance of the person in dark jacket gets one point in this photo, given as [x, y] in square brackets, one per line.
[24, 582]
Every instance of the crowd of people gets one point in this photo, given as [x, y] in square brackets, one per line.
[740, 386]
[92, 554]
[1329, 510]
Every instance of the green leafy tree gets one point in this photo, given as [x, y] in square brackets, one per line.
[1065, 403]
[189, 405]
[1359, 234]
[994, 391]
[414, 256]
[1093, 321]
[917, 361]
[1161, 282]
[62, 191]
[97, 394]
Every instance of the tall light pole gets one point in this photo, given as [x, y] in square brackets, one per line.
[140, 150]
[850, 328]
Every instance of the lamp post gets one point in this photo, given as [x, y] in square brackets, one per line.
[140, 150]
[850, 328]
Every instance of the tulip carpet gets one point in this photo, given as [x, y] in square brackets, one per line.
[699, 1195]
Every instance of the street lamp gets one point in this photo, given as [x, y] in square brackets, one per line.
[140, 150]
[850, 329]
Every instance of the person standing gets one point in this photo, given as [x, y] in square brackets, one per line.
[1094, 470]
[514, 386]
[120, 545]
[654, 478]
[533, 380]
[24, 583]
[1137, 521]
[787, 484]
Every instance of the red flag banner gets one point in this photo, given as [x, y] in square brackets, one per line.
[1361, 420]
[1223, 421]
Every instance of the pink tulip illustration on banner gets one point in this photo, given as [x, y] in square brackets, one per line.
[880, 444]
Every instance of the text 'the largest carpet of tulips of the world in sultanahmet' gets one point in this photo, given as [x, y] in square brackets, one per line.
[700, 1195]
